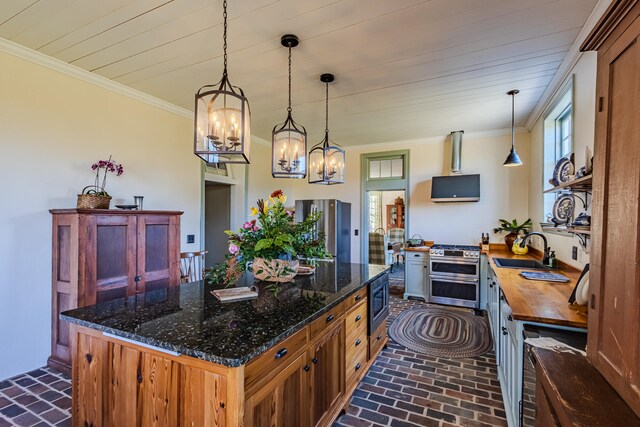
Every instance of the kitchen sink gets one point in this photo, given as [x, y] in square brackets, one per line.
[519, 263]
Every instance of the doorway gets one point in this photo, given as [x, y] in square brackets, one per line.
[217, 219]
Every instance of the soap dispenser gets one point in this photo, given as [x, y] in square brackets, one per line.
[553, 262]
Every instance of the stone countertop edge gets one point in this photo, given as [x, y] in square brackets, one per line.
[232, 363]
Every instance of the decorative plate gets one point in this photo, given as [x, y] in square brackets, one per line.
[563, 209]
[127, 207]
[563, 171]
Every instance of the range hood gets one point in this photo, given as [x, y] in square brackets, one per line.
[456, 187]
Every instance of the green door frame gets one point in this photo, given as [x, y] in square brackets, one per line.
[381, 184]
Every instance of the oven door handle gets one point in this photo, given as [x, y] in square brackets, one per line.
[456, 279]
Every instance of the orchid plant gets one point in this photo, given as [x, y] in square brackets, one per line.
[272, 235]
[108, 166]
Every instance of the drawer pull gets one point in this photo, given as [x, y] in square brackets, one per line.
[330, 318]
[358, 297]
[281, 353]
[358, 342]
[358, 366]
[510, 317]
[504, 331]
[358, 318]
[315, 360]
[416, 255]
[491, 285]
[379, 337]
[306, 368]
[501, 297]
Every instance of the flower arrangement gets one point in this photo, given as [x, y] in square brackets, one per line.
[273, 236]
[108, 166]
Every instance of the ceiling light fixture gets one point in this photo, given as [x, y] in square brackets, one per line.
[222, 129]
[513, 159]
[327, 160]
[289, 139]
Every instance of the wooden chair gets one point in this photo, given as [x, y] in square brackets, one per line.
[192, 266]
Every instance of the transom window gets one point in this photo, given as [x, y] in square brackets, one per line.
[386, 168]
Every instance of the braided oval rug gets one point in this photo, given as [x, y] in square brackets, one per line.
[442, 332]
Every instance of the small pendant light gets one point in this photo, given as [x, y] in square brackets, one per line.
[326, 160]
[289, 139]
[222, 129]
[513, 159]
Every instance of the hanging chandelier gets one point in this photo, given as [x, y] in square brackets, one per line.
[222, 129]
[326, 160]
[513, 159]
[289, 139]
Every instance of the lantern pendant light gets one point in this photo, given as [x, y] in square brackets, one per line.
[326, 159]
[513, 159]
[222, 130]
[289, 139]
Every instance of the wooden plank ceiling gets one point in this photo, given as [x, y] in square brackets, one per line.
[404, 69]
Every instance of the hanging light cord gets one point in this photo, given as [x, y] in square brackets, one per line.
[224, 37]
[289, 109]
[326, 117]
[513, 120]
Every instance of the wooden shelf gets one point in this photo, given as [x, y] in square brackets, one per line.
[565, 231]
[580, 184]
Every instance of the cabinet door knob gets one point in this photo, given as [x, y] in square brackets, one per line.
[510, 317]
[358, 318]
[314, 360]
[358, 342]
[137, 278]
[306, 368]
[379, 337]
[358, 297]
[281, 353]
[491, 285]
[504, 331]
[358, 366]
[330, 318]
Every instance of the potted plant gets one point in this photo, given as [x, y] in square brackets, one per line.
[95, 196]
[513, 229]
[270, 244]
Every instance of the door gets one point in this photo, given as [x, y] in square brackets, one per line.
[614, 307]
[217, 219]
[328, 373]
[110, 264]
[158, 244]
[284, 401]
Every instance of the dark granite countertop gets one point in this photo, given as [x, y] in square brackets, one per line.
[189, 320]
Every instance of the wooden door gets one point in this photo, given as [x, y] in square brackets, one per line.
[614, 308]
[328, 362]
[284, 401]
[158, 252]
[109, 258]
[203, 397]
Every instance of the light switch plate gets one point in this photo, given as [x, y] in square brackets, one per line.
[191, 238]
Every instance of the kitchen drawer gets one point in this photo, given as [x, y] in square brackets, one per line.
[358, 297]
[356, 368]
[273, 360]
[377, 339]
[356, 317]
[326, 320]
[416, 256]
[356, 342]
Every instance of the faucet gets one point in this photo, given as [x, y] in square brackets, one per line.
[547, 250]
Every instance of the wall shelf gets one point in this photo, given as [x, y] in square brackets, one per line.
[580, 184]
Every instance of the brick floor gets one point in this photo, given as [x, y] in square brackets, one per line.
[408, 389]
[402, 389]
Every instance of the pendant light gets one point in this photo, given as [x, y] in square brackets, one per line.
[289, 139]
[326, 160]
[513, 159]
[222, 129]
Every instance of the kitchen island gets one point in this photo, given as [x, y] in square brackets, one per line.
[179, 356]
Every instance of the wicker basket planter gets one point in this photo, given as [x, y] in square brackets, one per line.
[93, 201]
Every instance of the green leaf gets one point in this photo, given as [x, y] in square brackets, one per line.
[260, 271]
[263, 244]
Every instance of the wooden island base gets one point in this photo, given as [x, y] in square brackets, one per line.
[305, 380]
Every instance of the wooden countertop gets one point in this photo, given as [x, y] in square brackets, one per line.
[536, 300]
[417, 249]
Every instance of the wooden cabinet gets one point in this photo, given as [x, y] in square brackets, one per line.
[614, 308]
[416, 275]
[395, 216]
[100, 255]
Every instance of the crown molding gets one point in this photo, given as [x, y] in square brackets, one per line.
[36, 57]
[566, 67]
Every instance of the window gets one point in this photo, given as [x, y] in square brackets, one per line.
[375, 210]
[558, 141]
[386, 168]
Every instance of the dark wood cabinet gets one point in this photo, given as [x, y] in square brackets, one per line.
[101, 255]
[327, 357]
[614, 306]
[395, 216]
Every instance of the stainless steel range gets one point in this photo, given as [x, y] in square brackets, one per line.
[455, 275]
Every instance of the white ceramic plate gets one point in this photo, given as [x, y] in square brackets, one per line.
[582, 291]
[563, 171]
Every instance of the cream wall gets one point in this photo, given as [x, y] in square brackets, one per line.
[504, 191]
[584, 90]
[53, 126]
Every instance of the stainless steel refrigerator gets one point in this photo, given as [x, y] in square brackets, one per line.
[335, 223]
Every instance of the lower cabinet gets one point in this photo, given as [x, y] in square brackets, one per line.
[509, 368]
[283, 400]
[493, 291]
[416, 275]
